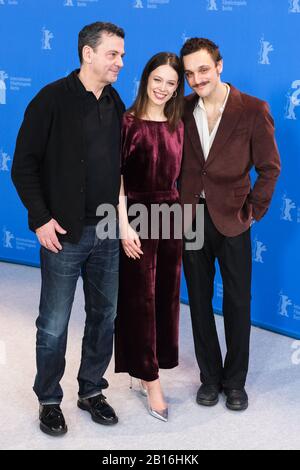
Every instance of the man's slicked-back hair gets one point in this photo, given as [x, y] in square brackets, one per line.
[197, 44]
[91, 35]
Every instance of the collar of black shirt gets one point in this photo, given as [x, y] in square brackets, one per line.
[82, 90]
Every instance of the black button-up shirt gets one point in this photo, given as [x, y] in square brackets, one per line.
[101, 134]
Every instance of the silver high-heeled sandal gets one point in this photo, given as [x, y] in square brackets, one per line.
[142, 390]
[163, 414]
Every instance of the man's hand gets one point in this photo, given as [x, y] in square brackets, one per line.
[47, 235]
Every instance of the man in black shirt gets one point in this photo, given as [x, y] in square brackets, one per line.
[67, 164]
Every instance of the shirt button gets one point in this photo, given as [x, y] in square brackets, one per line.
[82, 190]
[204, 173]
[81, 161]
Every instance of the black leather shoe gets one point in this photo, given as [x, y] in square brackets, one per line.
[208, 395]
[101, 412]
[237, 400]
[52, 420]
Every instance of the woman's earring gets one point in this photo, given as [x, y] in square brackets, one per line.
[174, 94]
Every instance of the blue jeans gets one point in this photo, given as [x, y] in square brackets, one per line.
[98, 263]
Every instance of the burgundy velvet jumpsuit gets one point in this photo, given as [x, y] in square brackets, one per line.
[149, 292]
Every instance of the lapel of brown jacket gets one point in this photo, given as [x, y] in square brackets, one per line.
[231, 116]
[191, 126]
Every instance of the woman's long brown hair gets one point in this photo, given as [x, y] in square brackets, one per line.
[174, 107]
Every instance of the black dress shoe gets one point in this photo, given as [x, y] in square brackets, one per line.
[208, 395]
[237, 400]
[101, 412]
[52, 420]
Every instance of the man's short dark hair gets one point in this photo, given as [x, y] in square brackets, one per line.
[91, 35]
[197, 44]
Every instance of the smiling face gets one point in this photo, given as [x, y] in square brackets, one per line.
[202, 73]
[106, 60]
[162, 84]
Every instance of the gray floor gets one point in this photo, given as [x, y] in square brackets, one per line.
[271, 422]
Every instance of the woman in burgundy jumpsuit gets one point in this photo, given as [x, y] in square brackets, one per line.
[150, 268]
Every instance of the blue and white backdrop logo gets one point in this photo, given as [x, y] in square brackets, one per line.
[293, 100]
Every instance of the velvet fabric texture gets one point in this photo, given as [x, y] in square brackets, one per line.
[146, 336]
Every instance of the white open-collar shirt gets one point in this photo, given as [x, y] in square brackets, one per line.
[200, 116]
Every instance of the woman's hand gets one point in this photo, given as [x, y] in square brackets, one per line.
[130, 242]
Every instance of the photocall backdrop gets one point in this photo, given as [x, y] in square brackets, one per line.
[258, 40]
